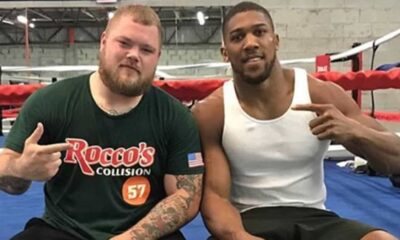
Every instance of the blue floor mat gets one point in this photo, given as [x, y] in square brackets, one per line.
[369, 199]
[372, 200]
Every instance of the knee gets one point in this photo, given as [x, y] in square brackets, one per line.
[379, 235]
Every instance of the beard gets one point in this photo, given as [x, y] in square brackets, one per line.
[123, 85]
[259, 78]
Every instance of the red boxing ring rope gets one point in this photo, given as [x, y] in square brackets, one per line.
[363, 80]
[196, 89]
[15, 95]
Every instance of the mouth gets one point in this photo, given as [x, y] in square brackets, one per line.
[252, 59]
[131, 67]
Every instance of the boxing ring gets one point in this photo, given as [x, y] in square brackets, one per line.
[357, 196]
[370, 199]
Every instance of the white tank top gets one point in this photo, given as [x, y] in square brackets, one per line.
[276, 162]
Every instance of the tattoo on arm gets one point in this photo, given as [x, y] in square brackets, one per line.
[14, 185]
[191, 184]
[172, 212]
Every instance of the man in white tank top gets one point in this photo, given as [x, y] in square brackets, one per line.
[264, 135]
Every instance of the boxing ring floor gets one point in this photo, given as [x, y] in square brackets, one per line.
[370, 199]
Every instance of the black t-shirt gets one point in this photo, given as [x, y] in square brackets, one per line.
[113, 175]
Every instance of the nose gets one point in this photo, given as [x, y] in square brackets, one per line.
[133, 54]
[250, 42]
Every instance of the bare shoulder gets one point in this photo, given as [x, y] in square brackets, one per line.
[210, 107]
[209, 113]
[325, 92]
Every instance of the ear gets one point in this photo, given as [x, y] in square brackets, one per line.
[224, 54]
[102, 40]
[276, 42]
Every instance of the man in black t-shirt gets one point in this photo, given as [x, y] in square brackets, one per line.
[121, 158]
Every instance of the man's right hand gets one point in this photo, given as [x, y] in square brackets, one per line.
[39, 162]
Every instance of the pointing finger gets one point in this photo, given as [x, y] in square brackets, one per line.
[53, 148]
[317, 108]
[36, 135]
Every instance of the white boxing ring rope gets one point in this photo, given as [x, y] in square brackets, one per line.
[160, 72]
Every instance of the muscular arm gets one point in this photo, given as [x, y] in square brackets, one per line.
[170, 214]
[374, 143]
[8, 181]
[357, 132]
[220, 216]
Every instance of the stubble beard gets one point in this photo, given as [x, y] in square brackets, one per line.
[258, 79]
[118, 85]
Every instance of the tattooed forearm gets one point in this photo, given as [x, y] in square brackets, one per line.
[191, 184]
[174, 211]
[165, 218]
[13, 185]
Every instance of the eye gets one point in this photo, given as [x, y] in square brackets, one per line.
[259, 32]
[237, 37]
[123, 44]
[147, 50]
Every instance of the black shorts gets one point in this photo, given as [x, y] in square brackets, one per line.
[295, 223]
[37, 229]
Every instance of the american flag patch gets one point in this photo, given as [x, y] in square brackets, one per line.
[195, 159]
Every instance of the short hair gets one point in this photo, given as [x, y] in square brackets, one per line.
[244, 7]
[140, 14]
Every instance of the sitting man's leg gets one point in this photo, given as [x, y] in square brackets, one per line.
[38, 229]
[300, 223]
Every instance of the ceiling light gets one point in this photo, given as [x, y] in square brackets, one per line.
[8, 21]
[22, 19]
[201, 18]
